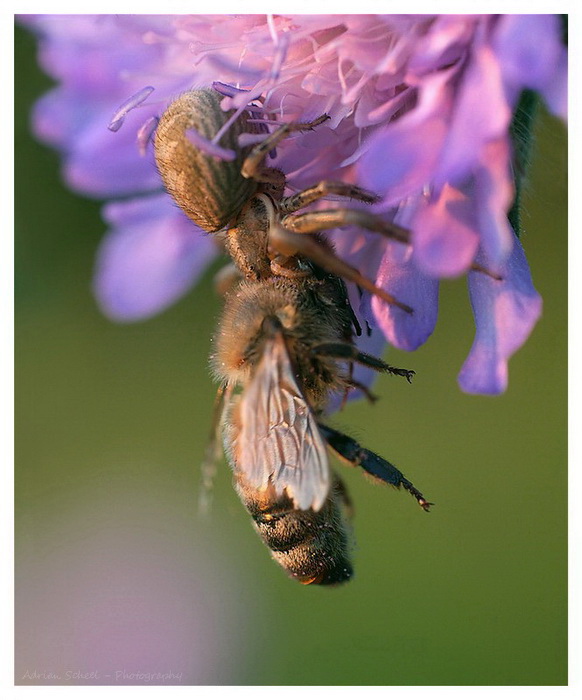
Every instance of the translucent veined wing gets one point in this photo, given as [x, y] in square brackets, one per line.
[279, 438]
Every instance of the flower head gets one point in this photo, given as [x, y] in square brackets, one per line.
[420, 112]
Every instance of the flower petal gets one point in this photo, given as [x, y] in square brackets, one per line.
[493, 192]
[529, 49]
[403, 280]
[475, 120]
[505, 313]
[445, 239]
[401, 158]
[92, 169]
[556, 92]
[152, 256]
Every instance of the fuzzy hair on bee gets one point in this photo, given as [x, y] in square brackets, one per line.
[298, 506]
[285, 344]
[310, 311]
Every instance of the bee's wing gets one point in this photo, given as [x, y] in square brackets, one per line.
[279, 437]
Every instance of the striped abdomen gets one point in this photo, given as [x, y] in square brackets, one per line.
[313, 547]
[210, 191]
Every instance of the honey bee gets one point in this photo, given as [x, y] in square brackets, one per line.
[285, 342]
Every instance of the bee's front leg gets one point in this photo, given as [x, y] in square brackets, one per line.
[347, 351]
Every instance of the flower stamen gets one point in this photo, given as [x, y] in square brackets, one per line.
[145, 133]
[210, 147]
[131, 103]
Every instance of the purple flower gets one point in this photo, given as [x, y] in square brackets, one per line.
[420, 107]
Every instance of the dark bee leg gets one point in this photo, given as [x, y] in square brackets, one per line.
[354, 318]
[213, 450]
[316, 221]
[354, 454]
[354, 384]
[253, 163]
[323, 189]
[347, 351]
[291, 244]
[349, 385]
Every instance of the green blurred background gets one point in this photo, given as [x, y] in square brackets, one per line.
[115, 570]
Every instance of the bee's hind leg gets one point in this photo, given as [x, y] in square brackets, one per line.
[351, 452]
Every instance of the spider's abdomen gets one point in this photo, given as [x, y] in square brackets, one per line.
[210, 191]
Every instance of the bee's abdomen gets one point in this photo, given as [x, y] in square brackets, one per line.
[312, 546]
[319, 561]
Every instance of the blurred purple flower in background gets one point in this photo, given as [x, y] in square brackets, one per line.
[421, 109]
